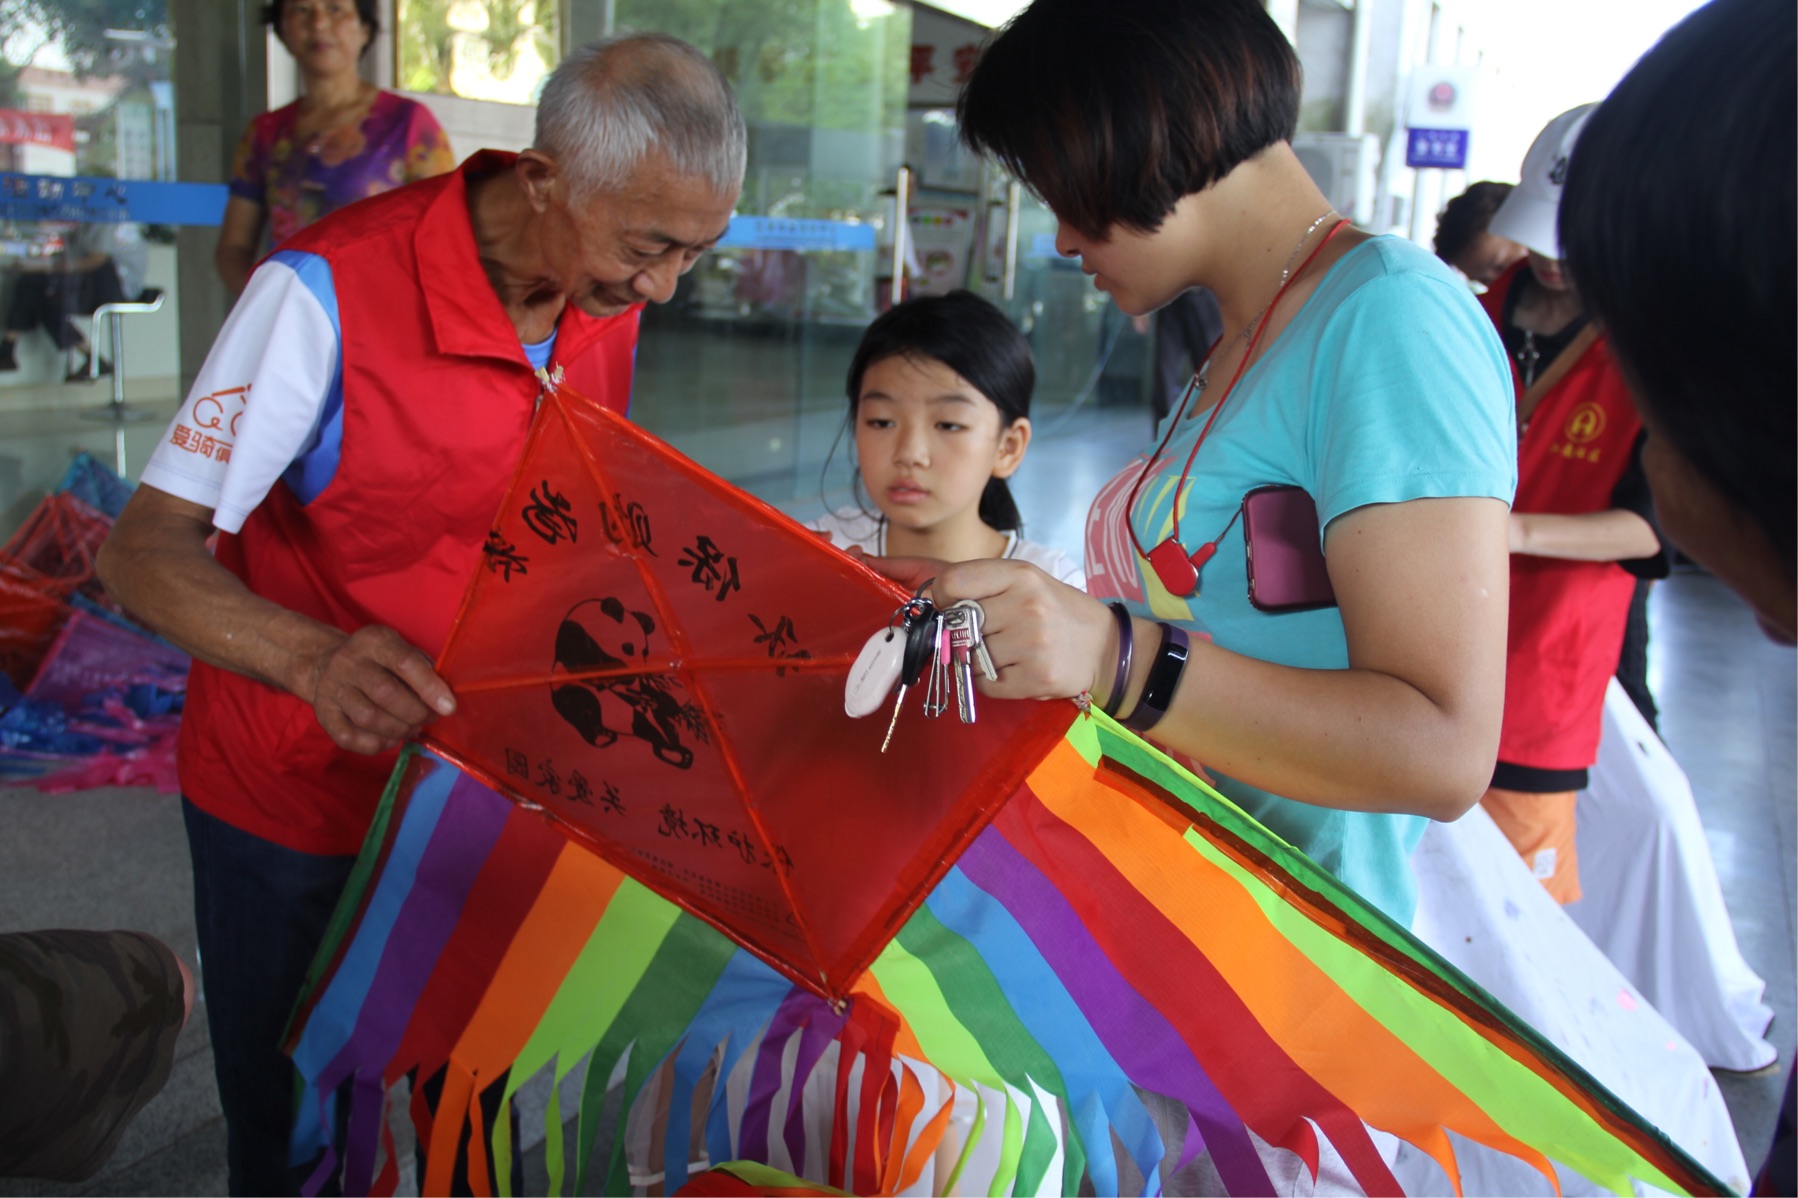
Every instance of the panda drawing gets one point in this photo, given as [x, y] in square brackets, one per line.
[602, 634]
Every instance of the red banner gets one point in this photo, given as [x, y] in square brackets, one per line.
[37, 129]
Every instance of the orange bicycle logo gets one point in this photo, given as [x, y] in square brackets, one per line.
[210, 411]
[1585, 424]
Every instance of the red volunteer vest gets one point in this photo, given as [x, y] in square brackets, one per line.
[437, 398]
[1567, 618]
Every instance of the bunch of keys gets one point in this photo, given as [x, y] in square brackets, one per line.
[920, 637]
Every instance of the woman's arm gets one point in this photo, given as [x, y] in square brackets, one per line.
[1411, 726]
[1614, 535]
[240, 236]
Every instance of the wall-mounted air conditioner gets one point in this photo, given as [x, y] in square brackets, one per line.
[1345, 167]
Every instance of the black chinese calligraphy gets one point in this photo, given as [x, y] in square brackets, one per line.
[627, 523]
[502, 557]
[711, 568]
[678, 824]
[601, 635]
[550, 515]
[603, 796]
[781, 640]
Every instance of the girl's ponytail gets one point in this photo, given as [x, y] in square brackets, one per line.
[998, 510]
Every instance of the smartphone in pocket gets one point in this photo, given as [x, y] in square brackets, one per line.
[1284, 547]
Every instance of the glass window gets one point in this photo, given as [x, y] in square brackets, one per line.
[744, 370]
[499, 50]
[85, 96]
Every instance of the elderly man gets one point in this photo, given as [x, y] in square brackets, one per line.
[351, 435]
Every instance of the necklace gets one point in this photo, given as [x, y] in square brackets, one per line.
[1178, 570]
[1285, 275]
[1527, 357]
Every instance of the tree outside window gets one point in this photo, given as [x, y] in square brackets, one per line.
[499, 50]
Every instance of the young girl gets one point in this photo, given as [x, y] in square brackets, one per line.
[939, 394]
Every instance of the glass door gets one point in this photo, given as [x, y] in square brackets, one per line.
[87, 163]
[744, 369]
[1087, 352]
[850, 108]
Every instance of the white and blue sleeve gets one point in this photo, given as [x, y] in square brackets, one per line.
[268, 401]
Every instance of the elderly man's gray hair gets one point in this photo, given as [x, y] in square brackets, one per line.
[611, 101]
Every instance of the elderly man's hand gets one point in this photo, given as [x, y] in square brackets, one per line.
[374, 690]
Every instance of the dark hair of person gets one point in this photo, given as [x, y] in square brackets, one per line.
[975, 340]
[1678, 224]
[1466, 216]
[1113, 113]
[365, 9]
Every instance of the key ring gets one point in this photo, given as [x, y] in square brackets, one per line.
[917, 607]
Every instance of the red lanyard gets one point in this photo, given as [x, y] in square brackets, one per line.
[1178, 572]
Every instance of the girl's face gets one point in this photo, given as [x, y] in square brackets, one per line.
[927, 442]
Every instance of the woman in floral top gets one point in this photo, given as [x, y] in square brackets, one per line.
[344, 139]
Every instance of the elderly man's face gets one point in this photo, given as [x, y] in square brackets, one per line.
[617, 248]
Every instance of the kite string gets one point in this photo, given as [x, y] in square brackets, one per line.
[836, 663]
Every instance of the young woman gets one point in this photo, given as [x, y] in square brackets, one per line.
[939, 397]
[343, 139]
[1356, 370]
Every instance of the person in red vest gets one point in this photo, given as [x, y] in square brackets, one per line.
[1582, 526]
[350, 437]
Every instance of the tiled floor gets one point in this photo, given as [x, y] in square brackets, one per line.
[117, 858]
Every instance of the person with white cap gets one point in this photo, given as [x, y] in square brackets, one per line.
[1582, 526]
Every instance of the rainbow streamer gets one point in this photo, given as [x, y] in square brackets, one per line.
[1124, 985]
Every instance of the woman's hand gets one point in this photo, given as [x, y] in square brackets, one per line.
[1047, 639]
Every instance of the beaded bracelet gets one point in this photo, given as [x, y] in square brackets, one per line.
[1164, 677]
[1126, 643]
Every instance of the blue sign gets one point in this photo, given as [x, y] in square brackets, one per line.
[802, 235]
[1444, 149]
[78, 199]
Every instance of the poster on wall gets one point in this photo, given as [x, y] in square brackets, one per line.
[944, 50]
[1439, 117]
[943, 242]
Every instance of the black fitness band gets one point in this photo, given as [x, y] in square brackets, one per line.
[1126, 643]
[1164, 677]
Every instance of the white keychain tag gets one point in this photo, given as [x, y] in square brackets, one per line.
[875, 673]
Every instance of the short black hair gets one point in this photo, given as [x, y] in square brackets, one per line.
[1113, 113]
[1466, 216]
[367, 10]
[1678, 225]
[977, 341]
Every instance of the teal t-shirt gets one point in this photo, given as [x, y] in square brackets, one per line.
[1390, 384]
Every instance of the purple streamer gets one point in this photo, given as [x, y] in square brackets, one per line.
[1140, 1039]
[471, 821]
[798, 1010]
